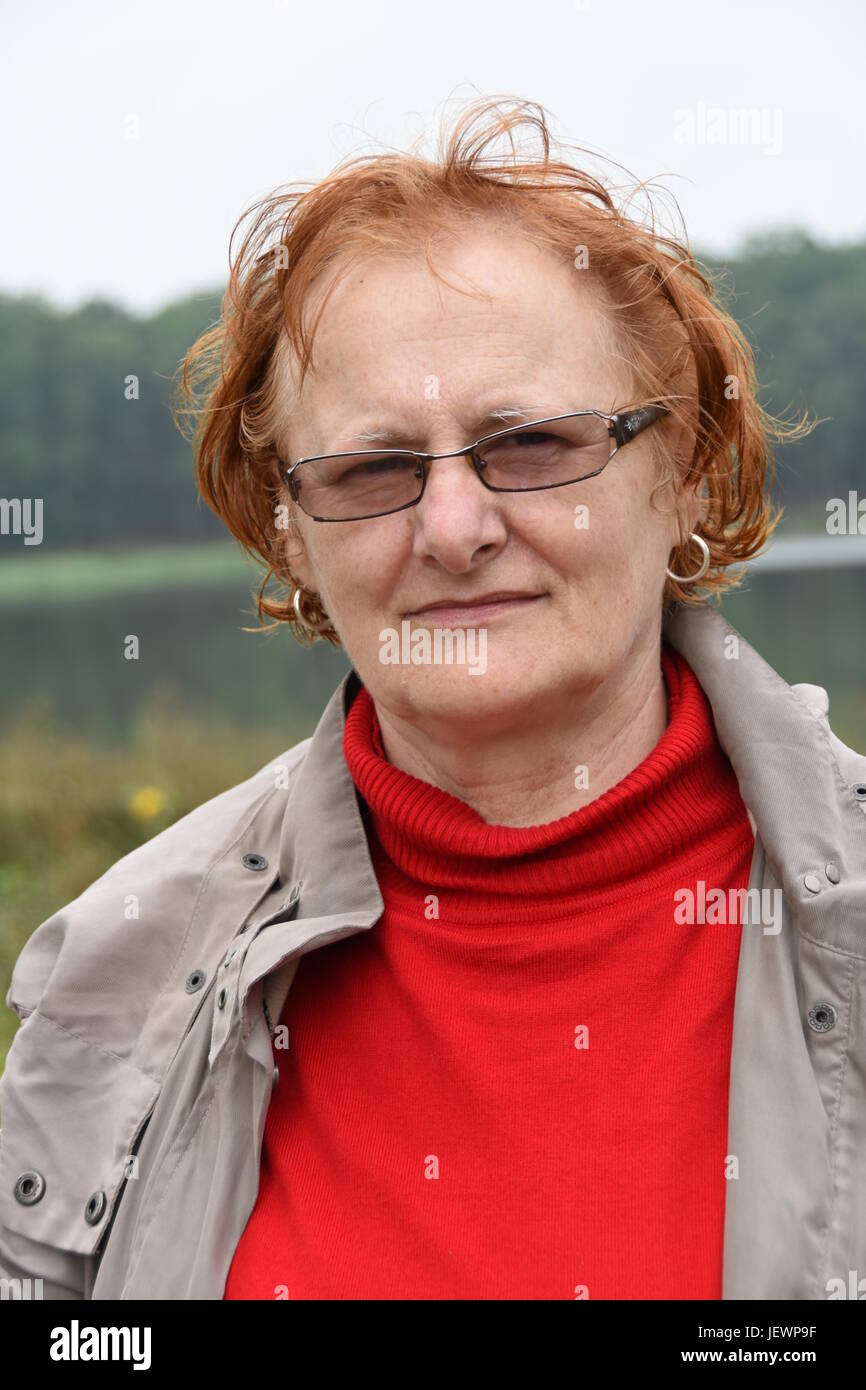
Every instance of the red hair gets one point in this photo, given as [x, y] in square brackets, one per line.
[679, 343]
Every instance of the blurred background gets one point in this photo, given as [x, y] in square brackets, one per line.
[135, 135]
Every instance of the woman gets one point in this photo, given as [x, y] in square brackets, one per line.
[590, 874]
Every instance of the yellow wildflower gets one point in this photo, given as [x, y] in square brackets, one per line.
[146, 803]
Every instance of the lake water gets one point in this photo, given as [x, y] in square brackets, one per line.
[810, 624]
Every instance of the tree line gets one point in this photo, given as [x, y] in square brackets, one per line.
[114, 471]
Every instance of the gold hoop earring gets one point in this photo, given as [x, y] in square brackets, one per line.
[302, 618]
[705, 563]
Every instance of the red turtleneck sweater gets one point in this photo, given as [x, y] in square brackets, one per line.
[514, 1085]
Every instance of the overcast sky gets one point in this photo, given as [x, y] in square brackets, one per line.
[233, 97]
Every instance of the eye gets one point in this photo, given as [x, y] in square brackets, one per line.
[530, 437]
[356, 468]
[529, 445]
[373, 467]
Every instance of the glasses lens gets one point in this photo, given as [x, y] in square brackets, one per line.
[561, 451]
[344, 486]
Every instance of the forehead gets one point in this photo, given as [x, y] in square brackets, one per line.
[507, 321]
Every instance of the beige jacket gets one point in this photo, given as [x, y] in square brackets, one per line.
[134, 1097]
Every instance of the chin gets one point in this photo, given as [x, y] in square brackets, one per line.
[506, 684]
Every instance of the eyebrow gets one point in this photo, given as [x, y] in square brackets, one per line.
[501, 415]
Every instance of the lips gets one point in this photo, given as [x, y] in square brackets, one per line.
[486, 605]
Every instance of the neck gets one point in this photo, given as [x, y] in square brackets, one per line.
[525, 774]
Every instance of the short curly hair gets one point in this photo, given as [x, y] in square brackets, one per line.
[680, 344]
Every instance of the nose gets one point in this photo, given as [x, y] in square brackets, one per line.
[458, 521]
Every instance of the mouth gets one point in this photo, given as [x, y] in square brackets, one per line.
[473, 612]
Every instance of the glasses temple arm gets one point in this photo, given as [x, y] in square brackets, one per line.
[629, 423]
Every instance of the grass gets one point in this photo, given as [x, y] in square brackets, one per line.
[70, 576]
[69, 808]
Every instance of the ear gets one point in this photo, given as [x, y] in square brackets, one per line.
[691, 507]
[290, 559]
[293, 554]
[690, 498]
[694, 506]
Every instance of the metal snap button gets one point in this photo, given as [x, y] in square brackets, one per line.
[29, 1188]
[221, 999]
[832, 872]
[822, 1017]
[276, 1077]
[195, 981]
[254, 861]
[231, 955]
[860, 791]
[813, 883]
[94, 1209]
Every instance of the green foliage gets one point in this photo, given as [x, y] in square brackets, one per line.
[803, 308]
[109, 470]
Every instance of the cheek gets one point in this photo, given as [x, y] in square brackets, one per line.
[358, 571]
[598, 538]
[578, 534]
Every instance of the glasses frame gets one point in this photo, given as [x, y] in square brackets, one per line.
[623, 427]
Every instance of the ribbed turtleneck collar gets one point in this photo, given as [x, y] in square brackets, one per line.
[683, 794]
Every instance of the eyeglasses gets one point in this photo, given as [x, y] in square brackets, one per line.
[553, 452]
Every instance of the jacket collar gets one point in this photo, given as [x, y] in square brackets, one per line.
[323, 845]
[805, 812]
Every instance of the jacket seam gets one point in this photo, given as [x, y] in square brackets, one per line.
[93, 1046]
[835, 950]
[834, 1132]
[142, 1230]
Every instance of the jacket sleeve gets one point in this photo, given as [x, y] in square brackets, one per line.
[42, 1271]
